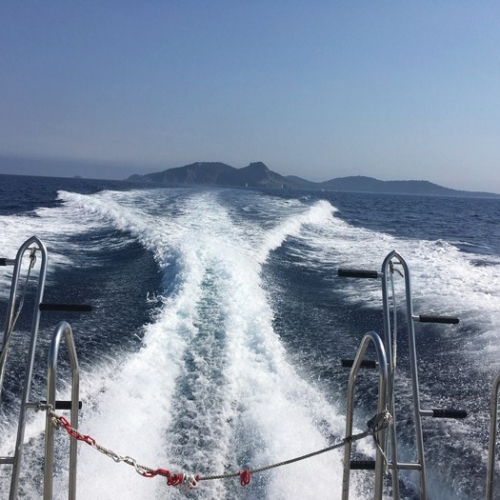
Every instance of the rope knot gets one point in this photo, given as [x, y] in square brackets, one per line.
[191, 481]
[379, 421]
[174, 479]
[244, 477]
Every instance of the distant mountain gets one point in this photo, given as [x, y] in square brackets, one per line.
[219, 174]
[364, 184]
[305, 184]
[258, 175]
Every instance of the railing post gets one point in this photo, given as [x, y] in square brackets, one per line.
[9, 325]
[63, 329]
[370, 337]
[386, 270]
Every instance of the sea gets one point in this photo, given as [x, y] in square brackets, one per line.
[218, 327]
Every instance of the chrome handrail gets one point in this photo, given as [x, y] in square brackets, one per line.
[35, 245]
[62, 330]
[387, 268]
[370, 337]
[390, 344]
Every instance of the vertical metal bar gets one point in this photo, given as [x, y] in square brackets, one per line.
[413, 370]
[414, 376]
[391, 375]
[490, 479]
[31, 355]
[382, 406]
[62, 329]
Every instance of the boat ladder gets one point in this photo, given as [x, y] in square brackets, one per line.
[394, 263]
[32, 248]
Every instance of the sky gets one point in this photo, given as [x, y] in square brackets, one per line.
[392, 89]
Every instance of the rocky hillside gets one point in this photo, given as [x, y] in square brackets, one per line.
[219, 174]
[258, 175]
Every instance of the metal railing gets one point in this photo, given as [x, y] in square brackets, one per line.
[370, 337]
[63, 330]
[35, 246]
[395, 263]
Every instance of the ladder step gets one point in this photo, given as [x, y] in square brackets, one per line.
[448, 320]
[362, 464]
[6, 460]
[357, 273]
[370, 465]
[407, 466]
[64, 405]
[366, 363]
[65, 307]
[7, 262]
[448, 413]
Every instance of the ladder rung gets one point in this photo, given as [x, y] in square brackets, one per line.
[7, 262]
[370, 465]
[444, 413]
[407, 466]
[44, 306]
[60, 405]
[366, 363]
[64, 405]
[362, 464]
[447, 320]
[6, 460]
[358, 273]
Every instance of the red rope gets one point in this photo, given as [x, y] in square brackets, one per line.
[153, 473]
[244, 477]
[174, 479]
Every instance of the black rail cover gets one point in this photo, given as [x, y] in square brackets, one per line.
[449, 413]
[64, 405]
[363, 464]
[65, 307]
[366, 363]
[450, 320]
[357, 273]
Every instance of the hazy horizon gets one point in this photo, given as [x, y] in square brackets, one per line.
[68, 169]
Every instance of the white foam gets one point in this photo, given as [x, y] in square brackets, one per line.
[256, 409]
[445, 281]
[132, 406]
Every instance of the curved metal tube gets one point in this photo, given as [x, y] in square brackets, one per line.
[63, 329]
[31, 354]
[413, 369]
[382, 406]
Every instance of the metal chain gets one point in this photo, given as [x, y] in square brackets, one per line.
[376, 424]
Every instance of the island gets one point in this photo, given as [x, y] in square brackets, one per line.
[258, 175]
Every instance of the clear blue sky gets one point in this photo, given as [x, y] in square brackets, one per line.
[402, 89]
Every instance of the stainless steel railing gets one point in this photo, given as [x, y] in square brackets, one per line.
[63, 330]
[394, 263]
[35, 247]
[370, 337]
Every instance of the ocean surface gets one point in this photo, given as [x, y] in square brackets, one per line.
[219, 324]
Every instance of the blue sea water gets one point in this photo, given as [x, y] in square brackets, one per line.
[219, 323]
